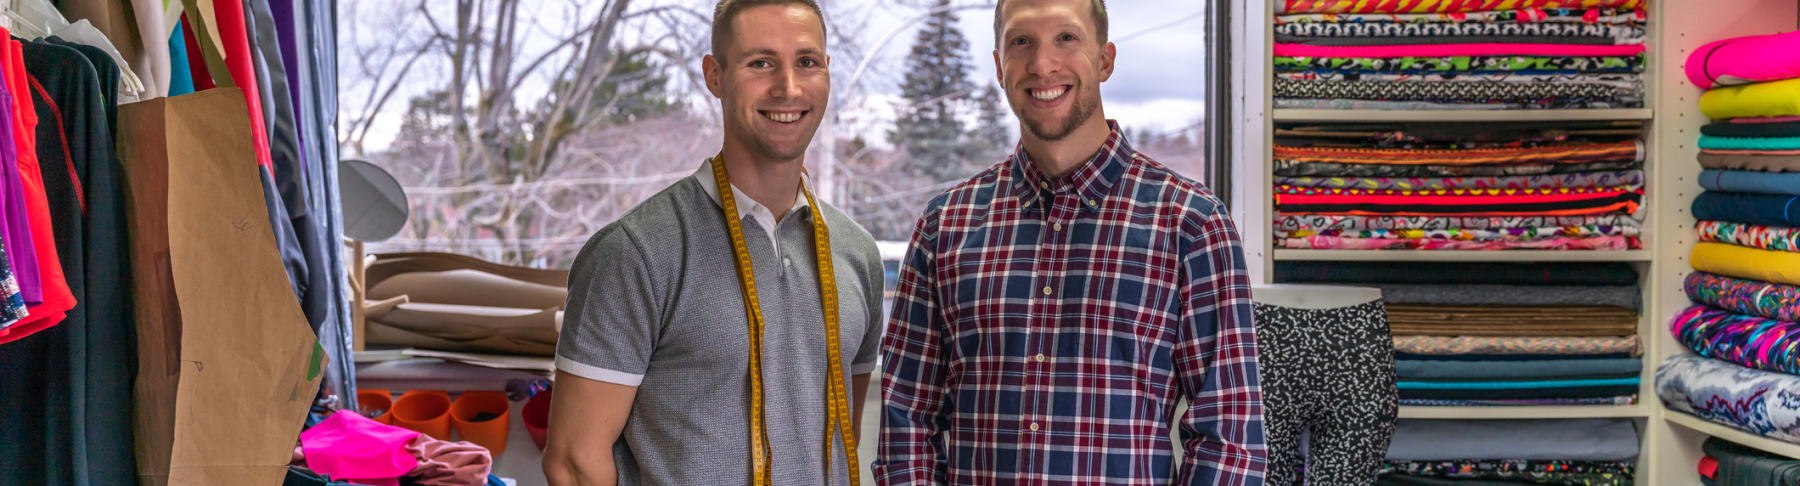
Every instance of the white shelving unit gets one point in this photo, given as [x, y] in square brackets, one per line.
[1670, 440]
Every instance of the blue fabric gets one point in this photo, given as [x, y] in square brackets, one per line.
[1515, 369]
[495, 481]
[1745, 143]
[181, 80]
[1514, 385]
[1752, 182]
[1764, 403]
[1756, 209]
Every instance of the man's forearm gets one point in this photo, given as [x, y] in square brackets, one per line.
[596, 470]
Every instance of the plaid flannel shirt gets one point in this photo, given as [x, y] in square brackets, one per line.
[1044, 331]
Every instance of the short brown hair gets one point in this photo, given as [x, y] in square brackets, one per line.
[727, 11]
[1098, 10]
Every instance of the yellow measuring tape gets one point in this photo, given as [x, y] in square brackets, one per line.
[836, 398]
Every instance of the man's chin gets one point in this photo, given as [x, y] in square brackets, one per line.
[1049, 130]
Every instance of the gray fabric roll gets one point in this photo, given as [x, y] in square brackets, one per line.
[1538, 440]
[1427, 369]
[1616, 296]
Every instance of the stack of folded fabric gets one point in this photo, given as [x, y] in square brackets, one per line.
[1746, 285]
[1594, 452]
[1497, 186]
[1729, 464]
[1459, 54]
[1482, 334]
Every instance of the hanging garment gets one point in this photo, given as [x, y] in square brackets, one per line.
[313, 274]
[21, 252]
[1330, 371]
[181, 77]
[57, 297]
[236, 42]
[197, 66]
[68, 396]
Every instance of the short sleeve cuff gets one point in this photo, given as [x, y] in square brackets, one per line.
[596, 373]
[862, 368]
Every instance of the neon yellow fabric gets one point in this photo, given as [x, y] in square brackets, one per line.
[1779, 98]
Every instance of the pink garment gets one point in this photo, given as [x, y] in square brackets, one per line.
[1766, 119]
[445, 463]
[1336, 243]
[1745, 60]
[1447, 50]
[354, 448]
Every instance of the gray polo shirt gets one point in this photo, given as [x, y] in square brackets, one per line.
[654, 302]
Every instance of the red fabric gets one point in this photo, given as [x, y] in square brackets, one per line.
[196, 59]
[1709, 467]
[237, 58]
[57, 297]
[1435, 200]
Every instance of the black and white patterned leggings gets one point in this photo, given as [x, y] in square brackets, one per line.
[1330, 371]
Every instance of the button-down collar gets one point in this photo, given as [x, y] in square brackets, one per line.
[1090, 181]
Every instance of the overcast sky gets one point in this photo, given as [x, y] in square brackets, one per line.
[1156, 85]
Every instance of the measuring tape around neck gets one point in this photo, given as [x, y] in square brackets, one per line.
[836, 397]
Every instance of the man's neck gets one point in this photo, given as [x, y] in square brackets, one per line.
[775, 184]
[1058, 158]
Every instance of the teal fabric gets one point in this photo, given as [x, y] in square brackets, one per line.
[1514, 385]
[1741, 143]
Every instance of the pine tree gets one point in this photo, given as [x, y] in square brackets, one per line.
[936, 89]
[994, 138]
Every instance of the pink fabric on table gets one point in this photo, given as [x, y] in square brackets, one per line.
[1447, 50]
[1745, 60]
[445, 463]
[1766, 119]
[354, 448]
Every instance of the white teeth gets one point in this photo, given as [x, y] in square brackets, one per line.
[1049, 95]
[783, 117]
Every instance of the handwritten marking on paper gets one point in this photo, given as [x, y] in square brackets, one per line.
[241, 224]
[199, 366]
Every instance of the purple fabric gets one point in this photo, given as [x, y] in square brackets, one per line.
[353, 448]
[21, 251]
[283, 10]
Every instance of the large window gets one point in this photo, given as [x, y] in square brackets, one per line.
[519, 127]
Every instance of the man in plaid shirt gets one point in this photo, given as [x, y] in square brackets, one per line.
[1054, 309]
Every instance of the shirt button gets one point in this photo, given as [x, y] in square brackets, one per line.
[1040, 357]
[1046, 290]
[787, 262]
[1056, 227]
[1034, 426]
[1091, 202]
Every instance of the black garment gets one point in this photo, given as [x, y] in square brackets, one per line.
[66, 396]
[1330, 371]
[310, 274]
[1751, 130]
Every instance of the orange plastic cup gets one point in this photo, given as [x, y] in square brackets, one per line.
[536, 416]
[425, 411]
[377, 402]
[490, 433]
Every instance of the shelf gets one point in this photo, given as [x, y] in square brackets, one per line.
[1285, 115]
[1700, 425]
[1464, 256]
[1525, 412]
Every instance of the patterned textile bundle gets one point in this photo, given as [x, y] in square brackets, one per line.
[1748, 341]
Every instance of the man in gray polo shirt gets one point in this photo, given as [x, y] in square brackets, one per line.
[654, 364]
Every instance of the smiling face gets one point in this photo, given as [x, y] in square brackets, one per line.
[1051, 63]
[772, 80]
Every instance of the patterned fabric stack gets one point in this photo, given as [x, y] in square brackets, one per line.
[1459, 54]
[1496, 334]
[1562, 186]
[1592, 452]
[1746, 283]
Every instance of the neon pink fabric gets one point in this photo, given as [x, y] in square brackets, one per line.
[1448, 50]
[353, 448]
[243, 70]
[1745, 60]
[1766, 119]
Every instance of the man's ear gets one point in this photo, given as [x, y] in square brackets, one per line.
[1107, 54]
[714, 75]
[999, 75]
